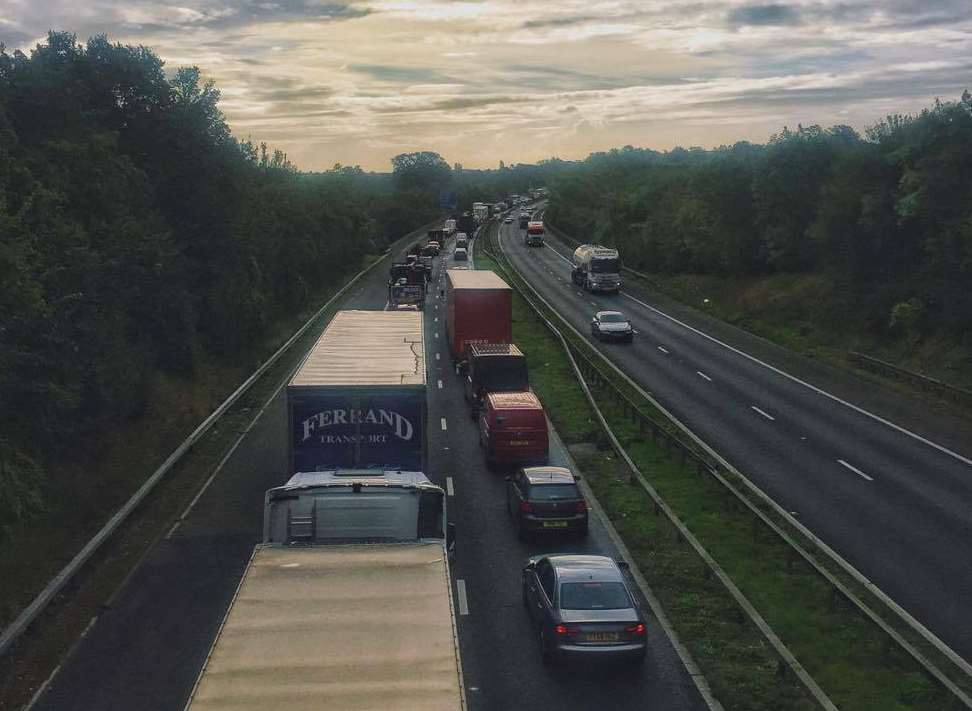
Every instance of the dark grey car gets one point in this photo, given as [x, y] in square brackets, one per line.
[546, 500]
[612, 326]
[581, 606]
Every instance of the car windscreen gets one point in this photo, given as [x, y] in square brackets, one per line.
[594, 595]
[613, 318]
[606, 266]
[553, 492]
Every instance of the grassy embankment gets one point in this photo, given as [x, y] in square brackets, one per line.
[848, 656]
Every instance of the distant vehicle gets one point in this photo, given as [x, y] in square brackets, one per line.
[460, 255]
[513, 429]
[546, 499]
[462, 240]
[597, 268]
[524, 220]
[612, 326]
[582, 608]
[534, 234]
[508, 220]
[449, 227]
[432, 249]
[407, 284]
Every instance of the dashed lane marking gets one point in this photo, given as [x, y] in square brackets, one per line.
[704, 375]
[440, 385]
[763, 413]
[855, 470]
[449, 487]
[663, 349]
[461, 594]
[443, 421]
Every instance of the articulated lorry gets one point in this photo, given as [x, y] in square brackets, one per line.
[347, 604]
[534, 234]
[406, 284]
[479, 309]
[597, 268]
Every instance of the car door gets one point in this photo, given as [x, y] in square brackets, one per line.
[545, 593]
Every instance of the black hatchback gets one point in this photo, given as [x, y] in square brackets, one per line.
[546, 499]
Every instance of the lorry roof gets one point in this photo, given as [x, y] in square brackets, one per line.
[494, 349]
[343, 477]
[515, 401]
[366, 348]
[337, 627]
[475, 279]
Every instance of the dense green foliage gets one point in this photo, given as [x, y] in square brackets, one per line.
[137, 235]
[887, 216]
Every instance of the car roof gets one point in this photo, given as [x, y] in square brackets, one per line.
[585, 567]
[599, 314]
[548, 475]
[514, 401]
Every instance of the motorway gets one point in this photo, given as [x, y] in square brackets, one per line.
[145, 649]
[895, 505]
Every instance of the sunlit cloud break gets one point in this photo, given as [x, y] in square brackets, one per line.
[479, 82]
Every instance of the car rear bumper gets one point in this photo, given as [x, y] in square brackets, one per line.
[617, 335]
[632, 652]
[517, 455]
[537, 524]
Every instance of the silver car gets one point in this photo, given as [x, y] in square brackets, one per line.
[581, 606]
[612, 326]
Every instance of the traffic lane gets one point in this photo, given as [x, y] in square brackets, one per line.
[920, 563]
[935, 487]
[945, 489]
[501, 662]
[145, 649]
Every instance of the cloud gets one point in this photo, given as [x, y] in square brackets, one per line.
[391, 73]
[764, 15]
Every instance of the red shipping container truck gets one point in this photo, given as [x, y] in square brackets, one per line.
[479, 308]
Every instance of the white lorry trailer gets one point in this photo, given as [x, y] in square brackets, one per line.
[597, 268]
[347, 602]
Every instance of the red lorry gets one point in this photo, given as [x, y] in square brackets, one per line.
[479, 309]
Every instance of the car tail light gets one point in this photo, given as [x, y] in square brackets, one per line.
[526, 506]
[566, 630]
[581, 506]
[636, 630]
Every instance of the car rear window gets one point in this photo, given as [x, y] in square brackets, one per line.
[613, 318]
[553, 492]
[594, 595]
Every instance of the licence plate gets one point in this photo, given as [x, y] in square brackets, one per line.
[555, 524]
[518, 443]
[602, 637]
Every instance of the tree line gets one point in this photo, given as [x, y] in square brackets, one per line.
[138, 235]
[887, 215]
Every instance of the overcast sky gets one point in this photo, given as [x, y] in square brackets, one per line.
[520, 80]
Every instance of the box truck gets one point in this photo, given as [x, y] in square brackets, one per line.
[357, 401]
[479, 309]
[346, 604]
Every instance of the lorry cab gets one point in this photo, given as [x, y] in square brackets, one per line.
[513, 429]
[462, 240]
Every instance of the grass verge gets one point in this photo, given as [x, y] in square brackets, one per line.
[854, 661]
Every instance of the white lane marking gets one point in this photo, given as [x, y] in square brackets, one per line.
[172, 530]
[436, 319]
[763, 413]
[579, 293]
[443, 422]
[592, 303]
[704, 375]
[854, 469]
[450, 490]
[437, 356]
[461, 594]
[440, 385]
[814, 388]
[436, 334]
[662, 349]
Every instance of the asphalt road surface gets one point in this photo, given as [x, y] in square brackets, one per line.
[145, 650]
[896, 507]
